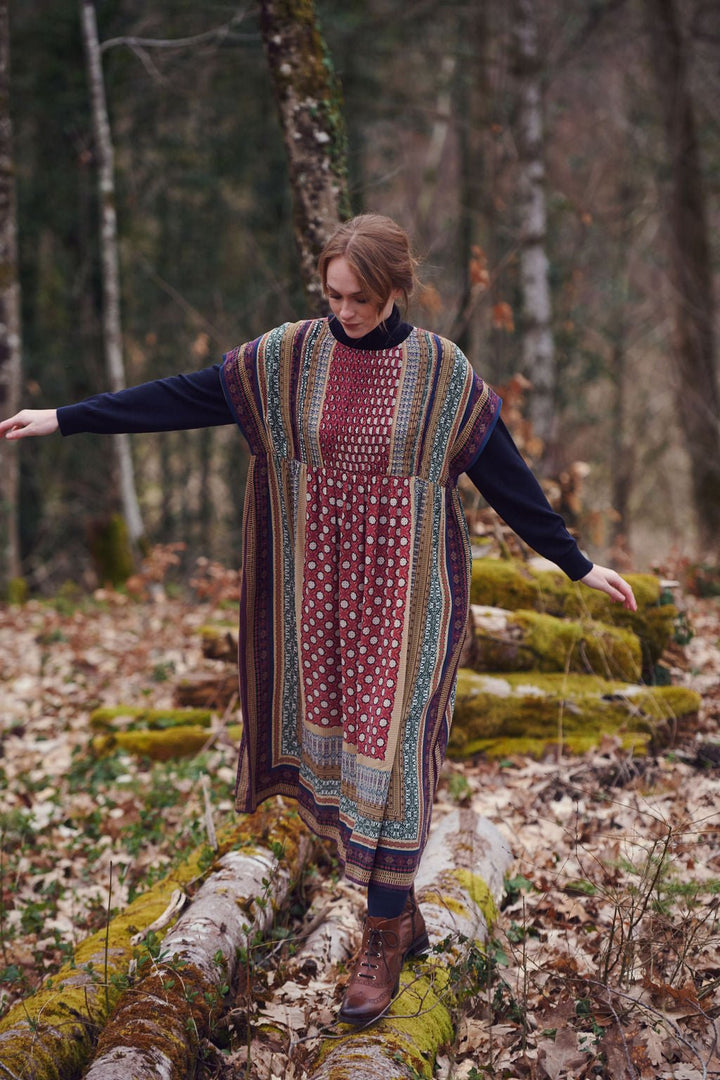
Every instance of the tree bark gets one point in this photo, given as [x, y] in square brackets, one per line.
[537, 344]
[690, 272]
[158, 1024]
[10, 359]
[474, 92]
[50, 1034]
[459, 884]
[112, 330]
[310, 108]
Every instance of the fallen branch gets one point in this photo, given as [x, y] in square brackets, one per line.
[51, 1034]
[158, 1024]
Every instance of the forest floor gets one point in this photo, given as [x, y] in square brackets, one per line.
[604, 962]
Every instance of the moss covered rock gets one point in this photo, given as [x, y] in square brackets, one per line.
[515, 586]
[170, 745]
[516, 713]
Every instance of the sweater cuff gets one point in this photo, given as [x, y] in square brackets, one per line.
[576, 565]
[68, 418]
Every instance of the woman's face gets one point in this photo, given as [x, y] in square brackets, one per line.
[357, 313]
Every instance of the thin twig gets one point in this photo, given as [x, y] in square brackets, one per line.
[628, 1059]
[219, 33]
[661, 1016]
[107, 939]
[209, 823]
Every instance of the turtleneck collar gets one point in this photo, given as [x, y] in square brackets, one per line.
[385, 336]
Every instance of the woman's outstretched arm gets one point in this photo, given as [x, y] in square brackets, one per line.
[194, 400]
[504, 479]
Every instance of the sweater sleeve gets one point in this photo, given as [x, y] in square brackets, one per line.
[503, 478]
[180, 402]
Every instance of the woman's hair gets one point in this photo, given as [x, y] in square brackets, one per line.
[378, 250]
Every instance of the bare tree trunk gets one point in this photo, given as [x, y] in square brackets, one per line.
[473, 91]
[538, 344]
[112, 332]
[690, 272]
[310, 108]
[436, 144]
[9, 318]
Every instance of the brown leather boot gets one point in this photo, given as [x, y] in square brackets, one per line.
[413, 934]
[375, 977]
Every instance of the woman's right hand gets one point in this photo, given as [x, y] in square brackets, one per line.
[29, 422]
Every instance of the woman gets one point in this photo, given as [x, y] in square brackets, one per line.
[356, 563]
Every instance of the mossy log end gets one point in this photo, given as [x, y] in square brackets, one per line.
[170, 745]
[158, 1024]
[201, 690]
[459, 884]
[134, 718]
[525, 713]
[50, 1035]
[513, 585]
[500, 640]
[220, 642]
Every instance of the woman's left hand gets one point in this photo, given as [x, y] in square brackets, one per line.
[610, 582]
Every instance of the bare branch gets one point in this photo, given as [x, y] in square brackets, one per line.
[219, 34]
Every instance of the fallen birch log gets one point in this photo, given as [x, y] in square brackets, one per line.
[51, 1034]
[458, 886]
[156, 1028]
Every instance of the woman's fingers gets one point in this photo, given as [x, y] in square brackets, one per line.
[610, 582]
[29, 422]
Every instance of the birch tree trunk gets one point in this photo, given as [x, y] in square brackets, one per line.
[9, 319]
[538, 345]
[112, 332]
[474, 92]
[690, 271]
[310, 108]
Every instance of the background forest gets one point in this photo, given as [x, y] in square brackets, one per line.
[557, 163]
[457, 117]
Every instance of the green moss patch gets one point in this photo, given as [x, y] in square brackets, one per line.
[513, 585]
[179, 742]
[517, 713]
[131, 718]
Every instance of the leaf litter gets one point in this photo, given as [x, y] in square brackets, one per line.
[605, 961]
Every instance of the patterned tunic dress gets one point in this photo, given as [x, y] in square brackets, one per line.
[355, 580]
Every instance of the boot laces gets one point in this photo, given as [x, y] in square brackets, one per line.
[375, 950]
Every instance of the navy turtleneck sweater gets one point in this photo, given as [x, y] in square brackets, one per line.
[197, 400]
